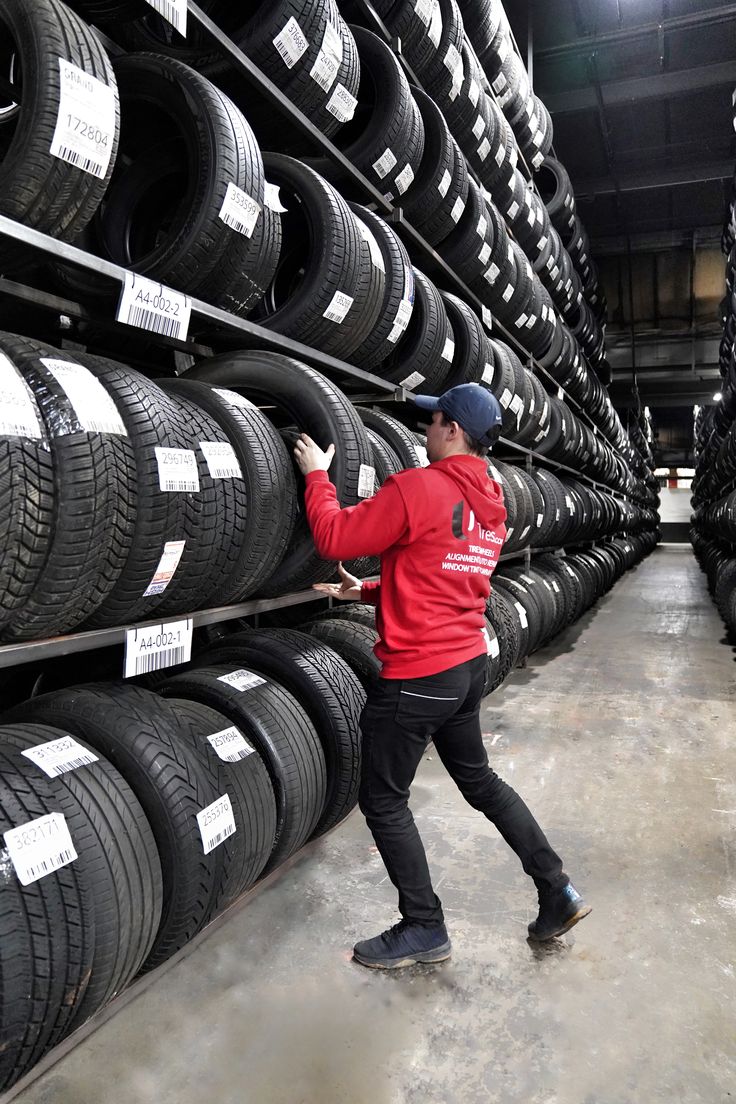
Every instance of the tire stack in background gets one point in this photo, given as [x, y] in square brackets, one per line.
[135, 493]
[713, 532]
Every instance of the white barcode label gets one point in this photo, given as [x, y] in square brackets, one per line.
[513, 210]
[488, 374]
[540, 519]
[452, 60]
[531, 321]
[537, 159]
[412, 381]
[503, 50]
[517, 405]
[85, 124]
[222, 462]
[93, 406]
[522, 615]
[508, 293]
[216, 823]
[291, 43]
[483, 149]
[505, 96]
[325, 69]
[230, 745]
[457, 209]
[342, 104]
[569, 570]
[167, 565]
[448, 350]
[239, 210]
[555, 587]
[492, 274]
[385, 163]
[373, 247]
[487, 320]
[505, 398]
[538, 138]
[401, 321]
[423, 456]
[478, 127]
[492, 648]
[19, 416]
[272, 199]
[366, 481]
[332, 42]
[484, 253]
[39, 847]
[423, 9]
[173, 11]
[157, 646]
[338, 307]
[59, 756]
[177, 469]
[500, 154]
[153, 307]
[474, 92]
[435, 25]
[404, 179]
[241, 680]
[444, 183]
[500, 84]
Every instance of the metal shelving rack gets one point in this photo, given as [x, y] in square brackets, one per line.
[215, 323]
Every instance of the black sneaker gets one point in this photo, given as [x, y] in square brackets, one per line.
[559, 911]
[403, 945]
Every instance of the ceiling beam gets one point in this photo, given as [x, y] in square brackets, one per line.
[658, 177]
[682, 393]
[655, 86]
[624, 35]
[706, 237]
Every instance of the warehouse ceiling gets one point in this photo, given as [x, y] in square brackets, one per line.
[641, 98]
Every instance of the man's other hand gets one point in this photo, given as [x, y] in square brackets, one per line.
[347, 590]
[310, 457]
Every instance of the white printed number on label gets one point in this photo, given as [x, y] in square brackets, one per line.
[488, 374]
[239, 211]
[93, 406]
[18, 413]
[59, 756]
[385, 163]
[85, 125]
[177, 469]
[487, 320]
[241, 680]
[366, 481]
[522, 615]
[40, 847]
[404, 179]
[412, 381]
[157, 646]
[457, 209]
[444, 183]
[325, 69]
[478, 127]
[448, 351]
[167, 565]
[174, 11]
[401, 321]
[153, 307]
[291, 43]
[221, 460]
[342, 104]
[338, 307]
[484, 253]
[423, 9]
[216, 823]
[230, 745]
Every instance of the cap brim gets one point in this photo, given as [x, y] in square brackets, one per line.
[427, 402]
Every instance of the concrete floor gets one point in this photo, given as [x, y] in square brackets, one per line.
[622, 739]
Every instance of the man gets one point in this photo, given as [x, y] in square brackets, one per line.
[439, 531]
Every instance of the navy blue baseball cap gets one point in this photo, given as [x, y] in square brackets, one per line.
[473, 407]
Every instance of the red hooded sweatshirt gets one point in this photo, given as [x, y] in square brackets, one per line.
[439, 532]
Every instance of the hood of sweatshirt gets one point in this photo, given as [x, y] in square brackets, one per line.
[483, 495]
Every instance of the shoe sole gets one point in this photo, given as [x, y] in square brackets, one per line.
[440, 954]
[580, 915]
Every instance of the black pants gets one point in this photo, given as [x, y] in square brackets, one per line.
[398, 721]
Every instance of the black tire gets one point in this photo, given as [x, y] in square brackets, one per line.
[424, 354]
[36, 187]
[138, 733]
[270, 504]
[361, 612]
[26, 492]
[327, 689]
[353, 641]
[326, 291]
[401, 440]
[275, 723]
[246, 782]
[94, 496]
[518, 612]
[46, 929]
[470, 247]
[501, 615]
[436, 201]
[117, 858]
[471, 344]
[322, 411]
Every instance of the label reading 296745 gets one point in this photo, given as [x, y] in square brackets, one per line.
[154, 307]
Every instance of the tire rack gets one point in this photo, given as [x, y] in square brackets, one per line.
[255, 336]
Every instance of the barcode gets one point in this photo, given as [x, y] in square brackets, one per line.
[284, 53]
[179, 485]
[214, 841]
[70, 764]
[171, 13]
[17, 429]
[96, 168]
[144, 664]
[48, 866]
[237, 224]
[156, 323]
